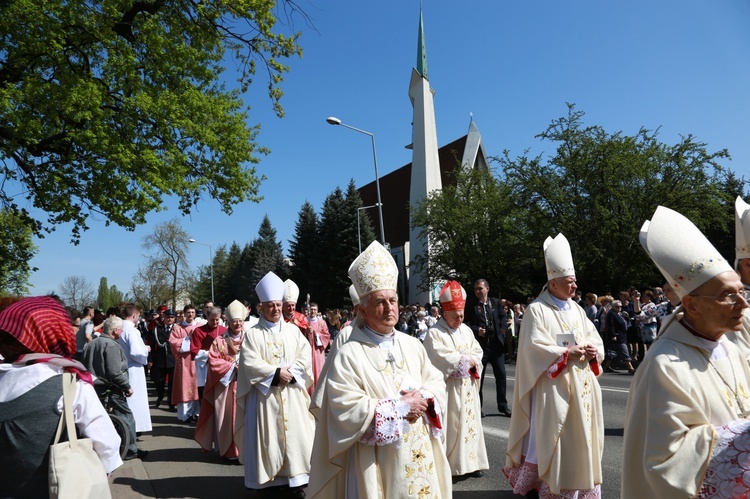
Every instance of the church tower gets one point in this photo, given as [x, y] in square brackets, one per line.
[425, 169]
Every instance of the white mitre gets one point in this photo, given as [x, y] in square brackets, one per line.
[558, 258]
[682, 253]
[270, 288]
[236, 310]
[291, 292]
[373, 270]
[353, 295]
[742, 230]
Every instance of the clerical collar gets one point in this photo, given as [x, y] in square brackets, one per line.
[381, 340]
[186, 323]
[561, 304]
[691, 329]
[314, 318]
[273, 326]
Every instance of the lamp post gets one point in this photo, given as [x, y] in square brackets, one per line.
[211, 257]
[359, 235]
[335, 121]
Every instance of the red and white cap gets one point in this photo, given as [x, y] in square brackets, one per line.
[452, 296]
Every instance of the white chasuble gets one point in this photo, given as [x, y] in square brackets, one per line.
[685, 395]
[273, 422]
[362, 449]
[451, 351]
[557, 425]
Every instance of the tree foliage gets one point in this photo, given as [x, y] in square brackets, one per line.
[107, 107]
[597, 189]
[476, 232]
[304, 250]
[16, 250]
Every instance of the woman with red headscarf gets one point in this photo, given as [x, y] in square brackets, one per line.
[37, 344]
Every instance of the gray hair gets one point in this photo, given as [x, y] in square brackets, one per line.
[214, 311]
[617, 302]
[110, 324]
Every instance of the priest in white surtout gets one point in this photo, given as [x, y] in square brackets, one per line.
[452, 348]
[379, 433]
[687, 432]
[557, 429]
[273, 421]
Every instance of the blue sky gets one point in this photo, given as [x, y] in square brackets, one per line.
[678, 65]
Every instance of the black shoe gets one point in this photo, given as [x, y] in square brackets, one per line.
[505, 412]
[141, 454]
[172, 408]
[483, 415]
[158, 402]
[476, 474]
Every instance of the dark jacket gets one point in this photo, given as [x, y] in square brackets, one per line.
[491, 317]
[161, 356]
[617, 327]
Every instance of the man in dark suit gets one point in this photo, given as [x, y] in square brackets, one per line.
[161, 359]
[487, 319]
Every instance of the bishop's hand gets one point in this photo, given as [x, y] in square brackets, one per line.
[417, 404]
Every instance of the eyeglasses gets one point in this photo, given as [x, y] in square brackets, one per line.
[731, 298]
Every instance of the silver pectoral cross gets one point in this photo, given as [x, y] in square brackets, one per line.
[392, 361]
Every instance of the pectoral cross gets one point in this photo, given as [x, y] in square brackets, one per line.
[392, 361]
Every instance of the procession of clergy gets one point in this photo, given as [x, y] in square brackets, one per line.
[385, 416]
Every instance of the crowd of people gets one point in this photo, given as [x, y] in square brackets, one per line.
[385, 400]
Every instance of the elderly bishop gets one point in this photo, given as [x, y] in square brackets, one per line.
[452, 348]
[273, 421]
[687, 432]
[380, 428]
[557, 429]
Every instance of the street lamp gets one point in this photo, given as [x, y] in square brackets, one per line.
[359, 236]
[211, 257]
[335, 121]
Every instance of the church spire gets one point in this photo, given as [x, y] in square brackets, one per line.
[421, 50]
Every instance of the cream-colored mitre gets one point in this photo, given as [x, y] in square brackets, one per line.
[741, 230]
[291, 291]
[682, 253]
[270, 288]
[373, 270]
[236, 310]
[558, 258]
[353, 295]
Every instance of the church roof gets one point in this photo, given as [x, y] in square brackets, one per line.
[395, 187]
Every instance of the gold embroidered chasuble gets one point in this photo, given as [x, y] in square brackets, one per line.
[464, 437]
[358, 379]
[284, 427]
[676, 400]
[567, 410]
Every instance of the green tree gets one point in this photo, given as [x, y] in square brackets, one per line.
[102, 297]
[266, 255]
[476, 232]
[598, 189]
[107, 107]
[115, 296]
[16, 250]
[169, 242]
[304, 251]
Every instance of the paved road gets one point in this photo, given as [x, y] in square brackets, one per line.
[176, 466]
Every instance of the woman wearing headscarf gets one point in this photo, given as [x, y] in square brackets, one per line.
[37, 344]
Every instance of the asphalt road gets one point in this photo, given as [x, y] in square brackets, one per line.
[176, 466]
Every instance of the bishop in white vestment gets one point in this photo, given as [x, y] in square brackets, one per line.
[380, 429]
[687, 432]
[453, 349]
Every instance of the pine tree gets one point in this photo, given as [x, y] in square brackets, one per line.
[305, 267]
[102, 299]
